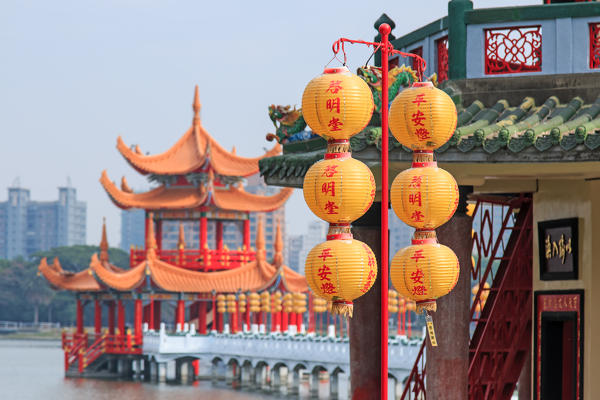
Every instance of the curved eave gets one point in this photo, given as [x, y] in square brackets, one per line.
[82, 281]
[189, 154]
[124, 280]
[238, 199]
[156, 199]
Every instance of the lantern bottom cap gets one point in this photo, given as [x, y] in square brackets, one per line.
[426, 305]
[343, 308]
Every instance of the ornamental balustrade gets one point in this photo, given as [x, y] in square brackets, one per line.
[557, 39]
[206, 260]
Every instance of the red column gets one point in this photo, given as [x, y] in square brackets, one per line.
[284, 321]
[219, 235]
[247, 313]
[157, 319]
[233, 320]
[247, 234]
[137, 318]
[409, 325]
[111, 318]
[121, 317]
[299, 318]
[292, 320]
[159, 235]
[151, 316]
[202, 317]
[214, 314]
[311, 315]
[219, 322]
[146, 227]
[180, 313]
[203, 235]
[79, 316]
[97, 317]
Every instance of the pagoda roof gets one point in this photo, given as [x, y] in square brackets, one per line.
[188, 197]
[193, 151]
[256, 275]
[82, 281]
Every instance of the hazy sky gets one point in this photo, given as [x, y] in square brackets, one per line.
[76, 74]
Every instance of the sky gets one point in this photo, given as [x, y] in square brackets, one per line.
[74, 75]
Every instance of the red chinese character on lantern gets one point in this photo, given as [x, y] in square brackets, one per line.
[328, 288]
[417, 216]
[417, 255]
[330, 171]
[422, 133]
[330, 207]
[419, 290]
[335, 124]
[333, 105]
[328, 187]
[415, 198]
[417, 276]
[415, 182]
[420, 98]
[324, 273]
[418, 118]
[334, 87]
[325, 254]
[367, 284]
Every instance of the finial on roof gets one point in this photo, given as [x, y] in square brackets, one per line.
[233, 150]
[125, 185]
[196, 106]
[278, 246]
[260, 239]
[104, 243]
[150, 238]
[181, 241]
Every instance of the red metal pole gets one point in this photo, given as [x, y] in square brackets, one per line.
[384, 30]
[79, 317]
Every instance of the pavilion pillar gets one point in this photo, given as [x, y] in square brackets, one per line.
[448, 363]
[247, 315]
[247, 234]
[214, 314]
[159, 235]
[157, 318]
[97, 317]
[365, 325]
[201, 317]
[284, 321]
[180, 313]
[111, 317]
[146, 228]
[121, 317]
[151, 314]
[311, 315]
[219, 235]
[137, 318]
[203, 232]
[79, 316]
[299, 320]
[233, 320]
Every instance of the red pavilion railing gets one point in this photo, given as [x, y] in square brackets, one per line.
[199, 260]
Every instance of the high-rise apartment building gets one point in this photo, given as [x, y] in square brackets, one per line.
[28, 226]
[132, 228]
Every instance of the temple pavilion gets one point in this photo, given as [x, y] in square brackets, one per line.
[213, 288]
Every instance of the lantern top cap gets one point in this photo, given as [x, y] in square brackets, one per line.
[422, 84]
[336, 70]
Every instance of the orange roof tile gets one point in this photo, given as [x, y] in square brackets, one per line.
[190, 153]
[123, 280]
[176, 197]
[82, 281]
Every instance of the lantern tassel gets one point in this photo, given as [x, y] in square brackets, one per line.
[427, 306]
[342, 307]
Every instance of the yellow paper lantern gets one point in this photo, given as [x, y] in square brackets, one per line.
[424, 272]
[422, 117]
[337, 104]
[341, 271]
[424, 197]
[339, 190]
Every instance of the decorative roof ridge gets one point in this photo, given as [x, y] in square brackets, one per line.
[76, 281]
[123, 280]
[125, 185]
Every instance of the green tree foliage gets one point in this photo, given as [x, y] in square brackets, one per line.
[24, 296]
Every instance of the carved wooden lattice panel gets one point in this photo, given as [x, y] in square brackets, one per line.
[442, 58]
[511, 50]
[595, 45]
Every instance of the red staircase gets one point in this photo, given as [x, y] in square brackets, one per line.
[80, 354]
[499, 345]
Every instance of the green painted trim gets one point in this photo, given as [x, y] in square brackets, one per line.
[457, 38]
[546, 11]
[304, 146]
[421, 33]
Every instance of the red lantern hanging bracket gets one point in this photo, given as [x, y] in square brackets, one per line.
[386, 49]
